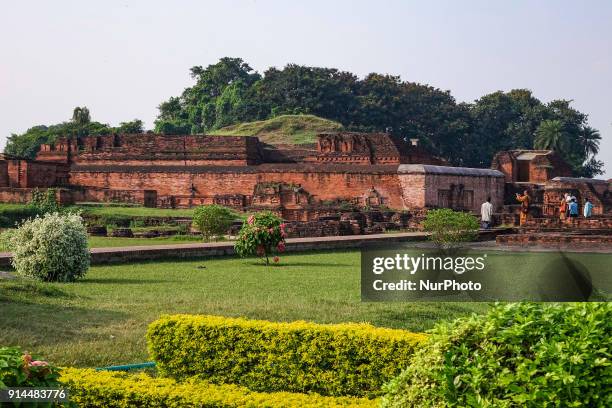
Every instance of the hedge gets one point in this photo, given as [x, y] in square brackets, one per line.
[516, 355]
[335, 360]
[90, 388]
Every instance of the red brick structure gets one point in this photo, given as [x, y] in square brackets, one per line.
[301, 182]
[530, 166]
[547, 177]
[459, 188]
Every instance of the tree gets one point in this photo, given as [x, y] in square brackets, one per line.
[589, 140]
[195, 111]
[80, 115]
[551, 135]
[27, 144]
[297, 89]
[501, 121]
[134, 126]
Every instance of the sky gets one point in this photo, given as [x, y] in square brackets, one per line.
[122, 58]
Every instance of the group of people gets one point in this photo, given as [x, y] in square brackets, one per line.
[568, 209]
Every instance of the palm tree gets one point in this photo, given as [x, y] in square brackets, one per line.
[81, 116]
[589, 139]
[550, 135]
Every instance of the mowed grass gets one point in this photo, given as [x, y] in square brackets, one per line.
[108, 242]
[133, 211]
[137, 211]
[102, 319]
[283, 129]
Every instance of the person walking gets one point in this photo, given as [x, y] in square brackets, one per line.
[486, 213]
[588, 209]
[524, 200]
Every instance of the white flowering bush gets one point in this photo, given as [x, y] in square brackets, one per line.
[52, 248]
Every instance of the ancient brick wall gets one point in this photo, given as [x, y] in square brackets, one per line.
[203, 186]
[39, 174]
[413, 190]
[463, 192]
[155, 150]
[599, 192]
[4, 176]
[438, 187]
[24, 195]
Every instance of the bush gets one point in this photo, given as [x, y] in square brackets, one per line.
[52, 248]
[44, 202]
[213, 220]
[517, 355]
[263, 234]
[448, 227]
[112, 389]
[335, 360]
[19, 369]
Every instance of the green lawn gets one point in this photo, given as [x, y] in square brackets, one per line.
[102, 319]
[102, 242]
[138, 211]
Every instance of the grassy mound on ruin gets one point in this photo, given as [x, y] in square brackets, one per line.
[284, 129]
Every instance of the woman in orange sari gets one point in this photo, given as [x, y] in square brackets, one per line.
[563, 208]
[524, 200]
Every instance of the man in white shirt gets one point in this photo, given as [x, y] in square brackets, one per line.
[486, 213]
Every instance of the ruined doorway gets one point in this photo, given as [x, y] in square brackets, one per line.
[523, 170]
[150, 198]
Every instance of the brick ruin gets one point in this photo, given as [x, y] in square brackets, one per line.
[547, 178]
[345, 169]
[343, 172]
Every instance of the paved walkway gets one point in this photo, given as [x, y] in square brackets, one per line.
[193, 250]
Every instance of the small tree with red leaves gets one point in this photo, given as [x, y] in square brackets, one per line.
[263, 234]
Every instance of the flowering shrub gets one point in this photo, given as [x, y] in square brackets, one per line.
[516, 355]
[51, 248]
[212, 220]
[19, 369]
[262, 234]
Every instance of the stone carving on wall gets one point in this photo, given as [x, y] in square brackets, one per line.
[373, 198]
[280, 195]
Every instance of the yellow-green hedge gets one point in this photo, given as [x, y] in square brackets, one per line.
[90, 388]
[336, 359]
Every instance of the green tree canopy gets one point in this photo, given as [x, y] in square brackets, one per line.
[468, 134]
[28, 143]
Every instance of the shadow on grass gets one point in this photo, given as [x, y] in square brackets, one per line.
[25, 287]
[126, 281]
[428, 312]
[331, 264]
[27, 323]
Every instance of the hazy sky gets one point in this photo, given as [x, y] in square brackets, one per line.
[122, 58]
